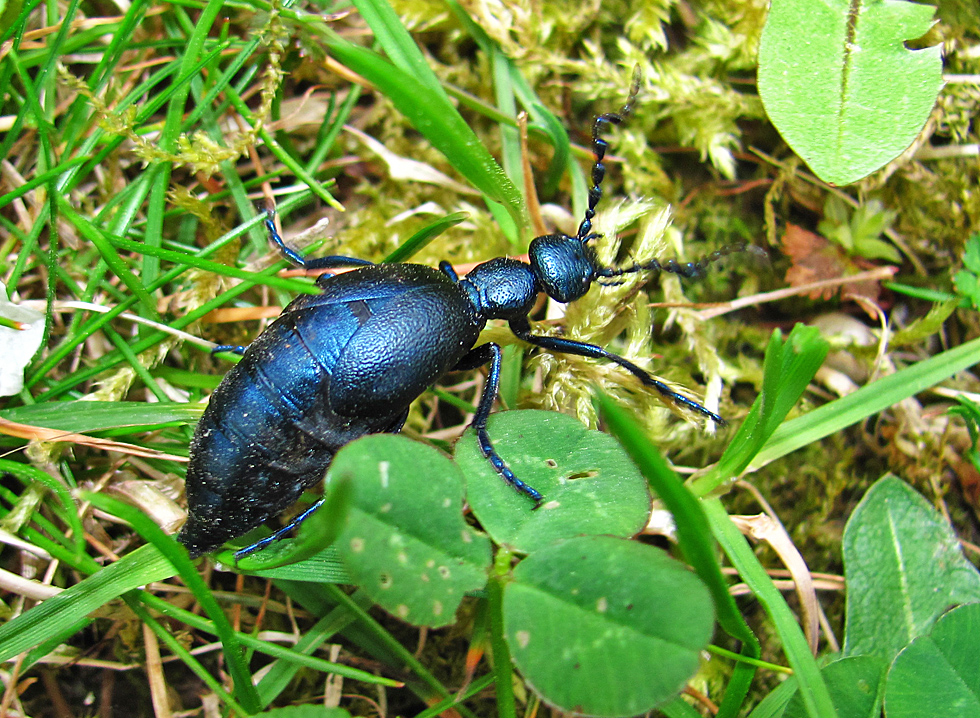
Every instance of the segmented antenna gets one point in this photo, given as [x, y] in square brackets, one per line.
[599, 147]
[690, 270]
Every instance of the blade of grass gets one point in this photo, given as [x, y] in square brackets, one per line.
[477, 686]
[677, 708]
[141, 371]
[289, 656]
[545, 123]
[395, 651]
[278, 677]
[177, 557]
[169, 135]
[420, 239]
[29, 629]
[692, 537]
[397, 43]
[30, 473]
[210, 119]
[184, 655]
[89, 328]
[330, 129]
[436, 118]
[866, 401]
[291, 164]
[789, 366]
[40, 179]
[503, 667]
[101, 147]
[121, 39]
[19, 24]
[813, 690]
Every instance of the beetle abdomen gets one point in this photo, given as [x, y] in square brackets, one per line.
[332, 368]
[267, 434]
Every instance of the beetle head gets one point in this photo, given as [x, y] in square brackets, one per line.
[563, 266]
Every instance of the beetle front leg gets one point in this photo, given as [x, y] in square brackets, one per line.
[522, 330]
[482, 354]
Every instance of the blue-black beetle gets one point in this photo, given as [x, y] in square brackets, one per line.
[349, 362]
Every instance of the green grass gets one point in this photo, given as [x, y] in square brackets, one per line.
[140, 152]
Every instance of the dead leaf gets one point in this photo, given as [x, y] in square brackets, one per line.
[42, 433]
[816, 259]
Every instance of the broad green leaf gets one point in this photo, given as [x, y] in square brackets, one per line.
[841, 87]
[605, 626]
[406, 542]
[854, 684]
[587, 479]
[903, 566]
[937, 675]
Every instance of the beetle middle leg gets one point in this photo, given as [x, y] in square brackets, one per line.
[479, 356]
[522, 330]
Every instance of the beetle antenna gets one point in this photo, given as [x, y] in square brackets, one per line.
[690, 270]
[599, 147]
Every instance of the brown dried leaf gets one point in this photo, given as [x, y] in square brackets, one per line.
[814, 259]
[817, 259]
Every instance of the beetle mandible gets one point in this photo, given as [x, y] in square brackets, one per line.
[348, 362]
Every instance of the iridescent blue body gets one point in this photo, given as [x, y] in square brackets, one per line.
[334, 367]
[350, 361]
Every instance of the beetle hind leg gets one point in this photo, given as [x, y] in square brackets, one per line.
[279, 533]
